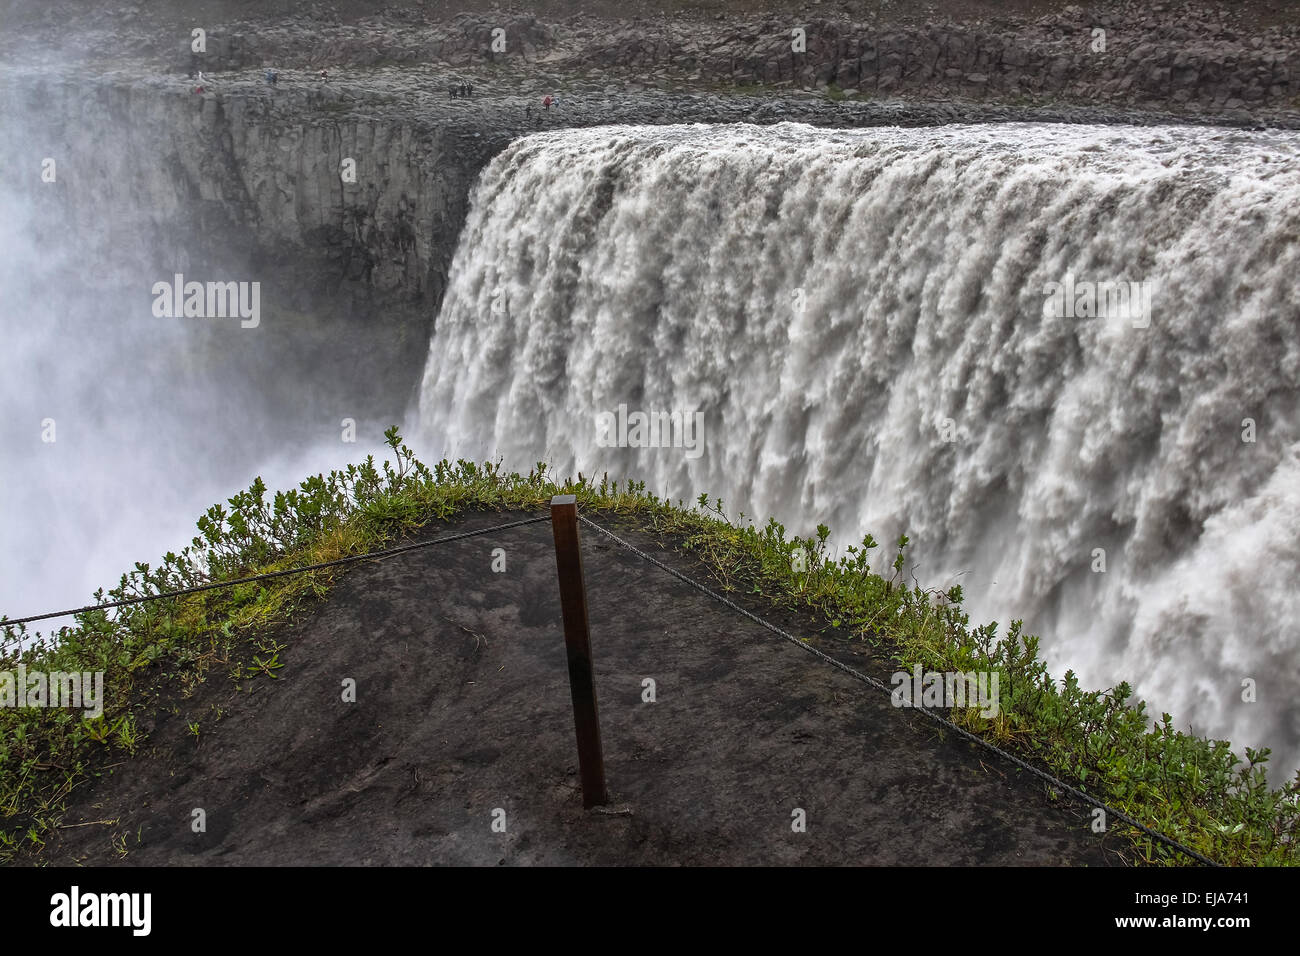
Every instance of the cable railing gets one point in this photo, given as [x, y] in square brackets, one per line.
[565, 519]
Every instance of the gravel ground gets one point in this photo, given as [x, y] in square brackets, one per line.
[462, 714]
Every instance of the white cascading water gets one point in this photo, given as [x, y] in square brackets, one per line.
[862, 318]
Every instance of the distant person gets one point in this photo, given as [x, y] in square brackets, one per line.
[323, 76]
[546, 103]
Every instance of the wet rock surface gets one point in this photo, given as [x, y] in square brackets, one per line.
[462, 716]
[1234, 60]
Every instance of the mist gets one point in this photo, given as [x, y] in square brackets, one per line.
[121, 426]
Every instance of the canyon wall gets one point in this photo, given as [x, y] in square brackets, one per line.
[164, 181]
[1186, 58]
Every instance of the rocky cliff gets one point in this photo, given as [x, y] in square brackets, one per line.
[347, 218]
[1198, 57]
[345, 195]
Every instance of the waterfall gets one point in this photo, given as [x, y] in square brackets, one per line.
[1064, 360]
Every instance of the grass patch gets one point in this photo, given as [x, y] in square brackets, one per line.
[153, 655]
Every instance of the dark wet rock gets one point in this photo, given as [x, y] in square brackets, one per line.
[462, 707]
[1178, 58]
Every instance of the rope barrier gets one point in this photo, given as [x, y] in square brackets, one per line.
[351, 559]
[798, 642]
[881, 685]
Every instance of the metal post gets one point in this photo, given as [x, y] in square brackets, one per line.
[577, 641]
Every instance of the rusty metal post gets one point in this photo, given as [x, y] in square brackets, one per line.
[577, 641]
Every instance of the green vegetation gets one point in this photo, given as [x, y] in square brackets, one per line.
[154, 654]
[1189, 788]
